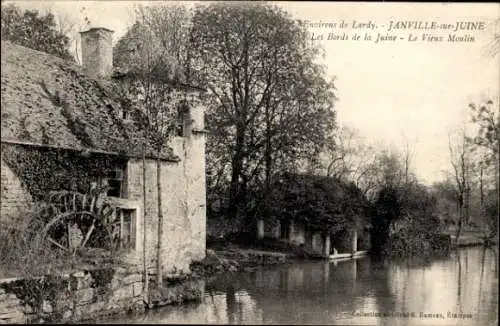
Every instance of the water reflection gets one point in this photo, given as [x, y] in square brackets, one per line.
[449, 287]
[351, 292]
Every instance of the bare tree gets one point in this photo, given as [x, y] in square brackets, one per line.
[407, 158]
[493, 47]
[486, 146]
[481, 192]
[70, 24]
[152, 52]
[350, 158]
[340, 154]
[460, 163]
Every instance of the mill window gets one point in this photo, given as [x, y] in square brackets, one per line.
[127, 232]
[115, 179]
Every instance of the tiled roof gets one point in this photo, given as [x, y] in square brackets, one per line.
[50, 102]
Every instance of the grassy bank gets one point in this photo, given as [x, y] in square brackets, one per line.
[470, 237]
[242, 253]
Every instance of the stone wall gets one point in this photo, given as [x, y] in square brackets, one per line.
[81, 295]
[14, 198]
[178, 241]
[194, 176]
[12, 310]
[183, 198]
[318, 243]
[297, 233]
[183, 201]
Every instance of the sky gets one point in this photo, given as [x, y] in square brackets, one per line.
[393, 92]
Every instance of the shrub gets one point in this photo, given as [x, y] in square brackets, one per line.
[19, 252]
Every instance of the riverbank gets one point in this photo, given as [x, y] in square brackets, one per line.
[470, 241]
[471, 237]
[227, 256]
[185, 288]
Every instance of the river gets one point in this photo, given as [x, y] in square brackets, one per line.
[460, 289]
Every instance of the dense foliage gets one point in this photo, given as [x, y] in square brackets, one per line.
[31, 30]
[405, 220]
[387, 210]
[322, 203]
[271, 105]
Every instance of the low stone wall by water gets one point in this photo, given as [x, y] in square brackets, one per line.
[11, 308]
[76, 296]
[190, 290]
[97, 292]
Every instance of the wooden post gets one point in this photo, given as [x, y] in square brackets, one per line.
[309, 237]
[326, 246]
[277, 230]
[260, 229]
[354, 239]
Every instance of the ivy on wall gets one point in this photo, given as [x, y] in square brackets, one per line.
[42, 170]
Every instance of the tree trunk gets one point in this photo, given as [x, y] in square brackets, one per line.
[240, 87]
[467, 205]
[236, 165]
[267, 160]
[460, 219]
[459, 281]
[497, 176]
[492, 230]
[144, 237]
[260, 229]
[268, 151]
[159, 269]
[481, 193]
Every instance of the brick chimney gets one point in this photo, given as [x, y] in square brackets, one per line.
[97, 52]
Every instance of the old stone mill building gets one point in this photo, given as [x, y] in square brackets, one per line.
[62, 129]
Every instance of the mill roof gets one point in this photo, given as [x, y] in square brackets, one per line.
[47, 101]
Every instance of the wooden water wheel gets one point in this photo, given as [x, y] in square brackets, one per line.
[74, 221]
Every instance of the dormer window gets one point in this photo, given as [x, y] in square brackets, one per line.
[125, 115]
